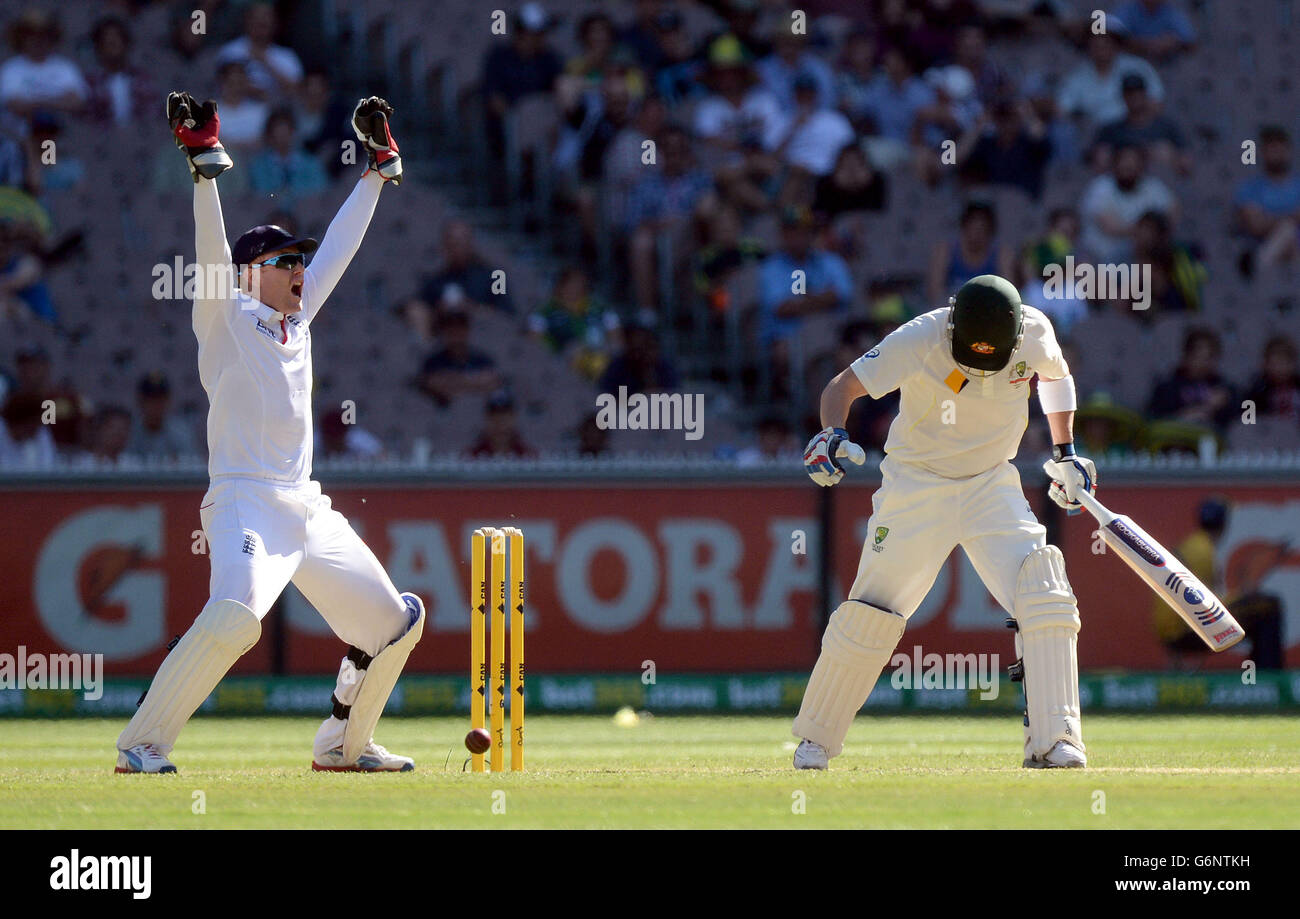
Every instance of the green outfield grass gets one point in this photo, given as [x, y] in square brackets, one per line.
[585, 771]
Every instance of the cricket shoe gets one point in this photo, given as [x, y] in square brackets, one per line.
[373, 758]
[1064, 755]
[143, 757]
[809, 755]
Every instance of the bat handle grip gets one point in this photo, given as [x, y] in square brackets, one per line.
[1090, 504]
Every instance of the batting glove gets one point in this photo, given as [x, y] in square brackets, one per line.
[823, 451]
[1070, 474]
[195, 128]
[370, 121]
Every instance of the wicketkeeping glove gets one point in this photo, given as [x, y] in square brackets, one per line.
[195, 128]
[830, 444]
[370, 121]
[1070, 475]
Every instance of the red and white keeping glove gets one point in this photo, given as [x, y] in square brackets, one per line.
[820, 458]
[370, 121]
[195, 128]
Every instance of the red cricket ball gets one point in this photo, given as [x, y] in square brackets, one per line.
[478, 741]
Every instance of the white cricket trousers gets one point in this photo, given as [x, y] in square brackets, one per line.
[261, 536]
[925, 516]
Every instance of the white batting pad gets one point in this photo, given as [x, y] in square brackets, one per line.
[375, 684]
[219, 636]
[1048, 617]
[859, 640]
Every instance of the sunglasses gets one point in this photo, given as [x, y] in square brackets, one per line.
[288, 261]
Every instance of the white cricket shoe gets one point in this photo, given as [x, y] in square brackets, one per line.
[373, 758]
[144, 757]
[1064, 755]
[809, 755]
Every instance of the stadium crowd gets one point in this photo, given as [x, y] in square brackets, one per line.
[705, 153]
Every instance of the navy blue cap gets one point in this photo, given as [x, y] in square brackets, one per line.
[268, 238]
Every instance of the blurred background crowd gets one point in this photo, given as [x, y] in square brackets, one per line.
[609, 194]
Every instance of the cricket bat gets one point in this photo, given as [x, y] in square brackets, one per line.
[1195, 603]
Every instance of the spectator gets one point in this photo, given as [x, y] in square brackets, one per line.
[1112, 203]
[1156, 28]
[156, 431]
[69, 409]
[1177, 272]
[456, 369]
[993, 84]
[1008, 148]
[243, 115]
[1093, 89]
[282, 167]
[727, 251]
[19, 160]
[1105, 428]
[35, 78]
[22, 284]
[25, 443]
[324, 120]
[590, 127]
[464, 268]
[1196, 391]
[623, 167]
[775, 443]
[1259, 614]
[642, 35]
[1142, 126]
[973, 252]
[599, 57]
[737, 113]
[119, 92]
[274, 71]
[665, 199]
[679, 79]
[952, 110]
[855, 75]
[1275, 392]
[891, 105]
[1037, 260]
[110, 430]
[640, 366]
[852, 186]
[523, 66]
[500, 436]
[791, 59]
[823, 286]
[575, 324]
[337, 439]
[1268, 205]
[815, 134]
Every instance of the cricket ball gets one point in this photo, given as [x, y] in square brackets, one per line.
[478, 741]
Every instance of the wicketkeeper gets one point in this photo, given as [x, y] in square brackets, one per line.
[963, 372]
[265, 520]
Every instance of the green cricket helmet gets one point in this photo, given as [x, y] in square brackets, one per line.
[985, 323]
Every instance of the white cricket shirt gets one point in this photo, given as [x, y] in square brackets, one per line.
[947, 423]
[254, 363]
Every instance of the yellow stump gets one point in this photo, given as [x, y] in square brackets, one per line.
[498, 671]
[516, 649]
[477, 633]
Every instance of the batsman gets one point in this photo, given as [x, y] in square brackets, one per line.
[265, 520]
[963, 373]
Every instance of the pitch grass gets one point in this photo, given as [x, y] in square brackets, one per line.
[585, 771]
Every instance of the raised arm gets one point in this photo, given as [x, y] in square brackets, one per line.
[370, 122]
[340, 244]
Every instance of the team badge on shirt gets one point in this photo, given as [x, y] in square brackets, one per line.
[881, 533]
[1021, 373]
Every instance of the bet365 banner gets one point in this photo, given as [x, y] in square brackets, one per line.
[620, 579]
